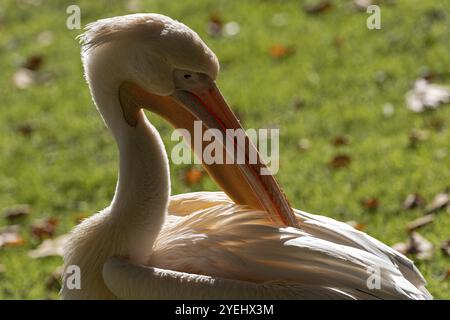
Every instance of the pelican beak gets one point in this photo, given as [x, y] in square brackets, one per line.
[241, 178]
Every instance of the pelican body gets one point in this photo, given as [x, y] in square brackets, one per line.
[244, 243]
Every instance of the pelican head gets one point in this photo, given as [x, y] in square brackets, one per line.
[156, 63]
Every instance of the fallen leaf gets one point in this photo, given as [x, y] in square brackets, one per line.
[215, 25]
[33, 63]
[278, 51]
[445, 247]
[413, 200]
[318, 7]
[426, 96]
[388, 110]
[2, 268]
[231, 29]
[304, 144]
[340, 141]
[370, 203]
[357, 225]
[50, 247]
[279, 19]
[18, 212]
[193, 176]
[440, 201]
[45, 38]
[44, 228]
[23, 78]
[416, 245]
[10, 237]
[420, 222]
[446, 275]
[340, 161]
[416, 136]
[362, 5]
[26, 129]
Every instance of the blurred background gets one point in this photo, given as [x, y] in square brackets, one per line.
[363, 115]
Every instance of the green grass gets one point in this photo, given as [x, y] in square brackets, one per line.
[68, 165]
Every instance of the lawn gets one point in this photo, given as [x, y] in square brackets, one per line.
[316, 77]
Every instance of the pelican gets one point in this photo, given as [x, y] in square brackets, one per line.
[244, 243]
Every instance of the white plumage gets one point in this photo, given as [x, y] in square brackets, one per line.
[147, 245]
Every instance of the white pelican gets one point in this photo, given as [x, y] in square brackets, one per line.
[148, 245]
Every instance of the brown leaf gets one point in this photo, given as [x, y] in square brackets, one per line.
[357, 225]
[50, 247]
[445, 247]
[26, 129]
[13, 214]
[33, 63]
[340, 141]
[23, 78]
[215, 25]
[340, 161]
[10, 237]
[318, 7]
[440, 201]
[446, 275]
[416, 245]
[278, 51]
[416, 136]
[370, 203]
[193, 176]
[413, 200]
[45, 228]
[420, 222]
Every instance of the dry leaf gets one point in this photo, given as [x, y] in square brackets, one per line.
[357, 225]
[439, 202]
[426, 96]
[26, 129]
[362, 4]
[304, 144]
[230, 29]
[50, 247]
[340, 161]
[278, 51]
[13, 214]
[370, 203]
[420, 222]
[446, 275]
[416, 245]
[193, 176]
[2, 268]
[45, 38]
[445, 247]
[33, 63]
[318, 7]
[215, 25]
[23, 78]
[340, 141]
[416, 136]
[45, 228]
[10, 237]
[413, 200]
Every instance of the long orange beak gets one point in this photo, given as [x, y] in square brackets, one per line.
[240, 178]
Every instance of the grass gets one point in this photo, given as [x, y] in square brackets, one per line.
[67, 167]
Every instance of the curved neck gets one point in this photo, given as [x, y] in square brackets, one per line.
[143, 187]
